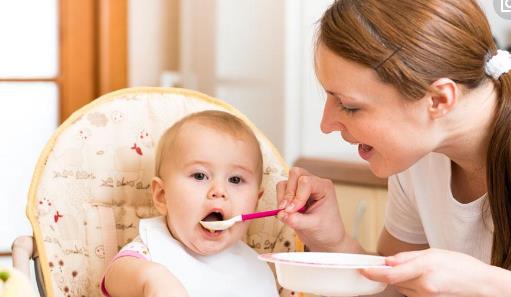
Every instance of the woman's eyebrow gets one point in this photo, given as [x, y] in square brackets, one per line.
[332, 93]
[339, 95]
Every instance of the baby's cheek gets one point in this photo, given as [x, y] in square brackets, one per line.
[241, 230]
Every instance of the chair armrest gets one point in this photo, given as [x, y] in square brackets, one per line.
[22, 252]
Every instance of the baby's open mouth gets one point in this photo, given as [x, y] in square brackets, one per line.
[213, 216]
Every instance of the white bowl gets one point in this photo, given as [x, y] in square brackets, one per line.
[330, 274]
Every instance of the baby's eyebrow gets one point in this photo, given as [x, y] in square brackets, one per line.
[196, 162]
[244, 168]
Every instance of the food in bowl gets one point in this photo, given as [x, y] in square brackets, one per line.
[330, 274]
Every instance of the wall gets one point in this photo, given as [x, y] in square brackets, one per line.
[234, 50]
[153, 40]
[313, 142]
[501, 27]
[256, 55]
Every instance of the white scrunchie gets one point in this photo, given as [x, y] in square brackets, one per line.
[498, 64]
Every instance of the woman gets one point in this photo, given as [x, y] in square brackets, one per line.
[421, 88]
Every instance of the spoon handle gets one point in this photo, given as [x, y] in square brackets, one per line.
[267, 213]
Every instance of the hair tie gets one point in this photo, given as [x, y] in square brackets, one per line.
[498, 64]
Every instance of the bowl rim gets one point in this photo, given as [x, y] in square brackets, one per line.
[273, 258]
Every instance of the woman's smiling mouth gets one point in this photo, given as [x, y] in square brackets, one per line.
[365, 151]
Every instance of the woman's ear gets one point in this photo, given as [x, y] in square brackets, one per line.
[445, 97]
[158, 192]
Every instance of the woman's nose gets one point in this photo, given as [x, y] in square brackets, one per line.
[330, 121]
[217, 191]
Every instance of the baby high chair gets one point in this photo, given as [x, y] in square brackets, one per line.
[91, 187]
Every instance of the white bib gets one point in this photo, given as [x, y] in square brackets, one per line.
[233, 272]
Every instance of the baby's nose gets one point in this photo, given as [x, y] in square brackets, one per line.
[217, 192]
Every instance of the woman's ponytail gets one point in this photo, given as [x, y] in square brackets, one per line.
[499, 174]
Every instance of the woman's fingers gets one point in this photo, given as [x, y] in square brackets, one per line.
[404, 257]
[281, 191]
[397, 274]
[407, 288]
[298, 221]
[320, 227]
[408, 292]
[405, 266]
[303, 191]
[303, 186]
[286, 190]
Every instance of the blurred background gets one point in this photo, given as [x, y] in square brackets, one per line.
[58, 55]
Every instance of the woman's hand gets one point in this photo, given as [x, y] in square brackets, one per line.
[321, 227]
[435, 272]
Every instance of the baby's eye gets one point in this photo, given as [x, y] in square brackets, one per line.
[199, 176]
[235, 179]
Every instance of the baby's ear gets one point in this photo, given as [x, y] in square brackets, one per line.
[158, 192]
[261, 192]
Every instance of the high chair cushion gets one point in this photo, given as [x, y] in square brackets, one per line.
[92, 184]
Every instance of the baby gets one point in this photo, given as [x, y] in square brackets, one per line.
[208, 167]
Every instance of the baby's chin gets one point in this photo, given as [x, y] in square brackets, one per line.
[201, 242]
[210, 248]
[204, 247]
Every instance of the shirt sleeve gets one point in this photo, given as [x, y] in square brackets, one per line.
[136, 246]
[402, 219]
[136, 249]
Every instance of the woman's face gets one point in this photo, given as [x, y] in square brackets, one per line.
[391, 131]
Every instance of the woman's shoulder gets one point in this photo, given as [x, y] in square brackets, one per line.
[433, 170]
[433, 163]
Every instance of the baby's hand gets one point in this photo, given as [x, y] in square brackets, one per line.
[161, 283]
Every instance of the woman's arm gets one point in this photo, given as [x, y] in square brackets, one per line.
[134, 277]
[498, 282]
[435, 272]
[388, 245]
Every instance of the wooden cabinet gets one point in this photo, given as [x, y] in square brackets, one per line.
[361, 196]
[362, 209]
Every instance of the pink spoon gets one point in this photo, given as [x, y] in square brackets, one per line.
[222, 225]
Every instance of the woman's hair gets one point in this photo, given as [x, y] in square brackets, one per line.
[411, 44]
[221, 121]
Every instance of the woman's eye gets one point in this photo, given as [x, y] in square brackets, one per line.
[235, 179]
[199, 176]
[338, 102]
[348, 110]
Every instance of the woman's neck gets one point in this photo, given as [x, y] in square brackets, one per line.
[467, 138]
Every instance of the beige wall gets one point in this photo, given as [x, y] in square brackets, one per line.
[501, 27]
[256, 55]
[234, 50]
[153, 40]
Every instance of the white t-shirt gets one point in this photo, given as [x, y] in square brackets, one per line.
[421, 209]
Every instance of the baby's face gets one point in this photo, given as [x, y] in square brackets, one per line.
[210, 173]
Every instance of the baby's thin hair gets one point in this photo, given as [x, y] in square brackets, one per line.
[219, 120]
